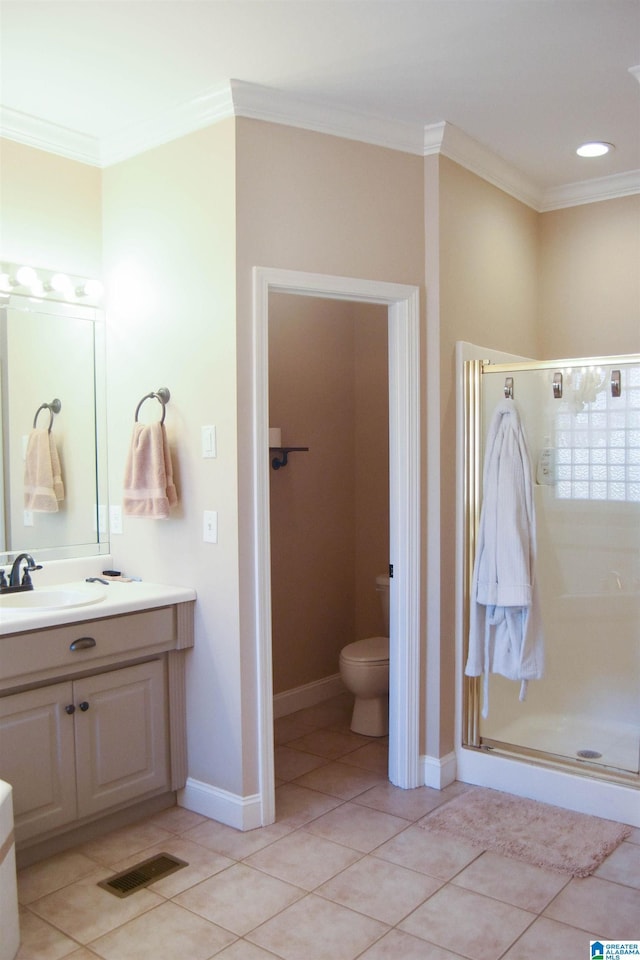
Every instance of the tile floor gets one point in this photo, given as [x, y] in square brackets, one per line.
[344, 872]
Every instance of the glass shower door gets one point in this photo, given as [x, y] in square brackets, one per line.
[582, 422]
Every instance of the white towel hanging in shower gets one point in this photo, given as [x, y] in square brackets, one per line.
[505, 634]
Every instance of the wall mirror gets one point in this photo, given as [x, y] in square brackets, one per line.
[52, 350]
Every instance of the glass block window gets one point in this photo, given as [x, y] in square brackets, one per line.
[597, 436]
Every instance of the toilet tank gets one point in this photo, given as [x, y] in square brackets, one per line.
[382, 587]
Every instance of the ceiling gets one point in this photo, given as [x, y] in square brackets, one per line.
[528, 79]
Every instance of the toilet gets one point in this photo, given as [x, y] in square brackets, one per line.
[364, 668]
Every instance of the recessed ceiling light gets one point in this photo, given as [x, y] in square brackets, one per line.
[596, 148]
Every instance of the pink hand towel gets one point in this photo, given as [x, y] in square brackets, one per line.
[43, 486]
[149, 490]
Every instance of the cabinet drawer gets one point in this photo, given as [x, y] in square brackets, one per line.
[36, 652]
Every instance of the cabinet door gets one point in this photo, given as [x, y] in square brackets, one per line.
[37, 757]
[121, 736]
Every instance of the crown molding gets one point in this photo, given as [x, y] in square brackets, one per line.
[242, 99]
[204, 110]
[590, 191]
[449, 141]
[264, 103]
[38, 133]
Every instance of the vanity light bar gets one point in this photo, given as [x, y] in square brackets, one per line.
[42, 284]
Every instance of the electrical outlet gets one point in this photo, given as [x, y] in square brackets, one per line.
[210, 526]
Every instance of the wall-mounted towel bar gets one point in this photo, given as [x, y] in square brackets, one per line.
[54, 407]
[162, 395]
[284, 452]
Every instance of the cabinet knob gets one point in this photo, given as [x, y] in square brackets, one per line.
[70, 708]
[84, 706]
[82, 643]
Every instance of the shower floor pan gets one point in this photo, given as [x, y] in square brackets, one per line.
[576, 738]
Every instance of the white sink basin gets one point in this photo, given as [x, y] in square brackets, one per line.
[53, 598]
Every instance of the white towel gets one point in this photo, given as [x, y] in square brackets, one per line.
[505, 634]
[149, 490]
[43, 486]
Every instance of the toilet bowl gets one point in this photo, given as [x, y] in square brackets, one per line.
[364, 668]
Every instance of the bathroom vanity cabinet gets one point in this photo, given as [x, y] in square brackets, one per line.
[92, 716]
[71, 750]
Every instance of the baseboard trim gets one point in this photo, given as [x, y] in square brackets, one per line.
[438, 772]
[307, 695]
[35, 849]
[242, 813]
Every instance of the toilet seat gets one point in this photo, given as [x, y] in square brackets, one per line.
[368, 650]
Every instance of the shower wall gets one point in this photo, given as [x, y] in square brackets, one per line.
[585, 453]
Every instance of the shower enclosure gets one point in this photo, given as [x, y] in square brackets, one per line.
[582, 422]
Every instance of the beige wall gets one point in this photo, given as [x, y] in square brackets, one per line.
[371, 379]
[489, 269]
[308, 201]
[170, 271]
[50, 212]
[328, 390]
[590, 280]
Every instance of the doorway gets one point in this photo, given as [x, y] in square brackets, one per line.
[402, 304]
[329, 400]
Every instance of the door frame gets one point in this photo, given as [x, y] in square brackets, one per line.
[403, 303]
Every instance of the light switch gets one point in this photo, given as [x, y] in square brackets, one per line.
[28, 518]
[210, 526]
[115, 519]
[209, 442]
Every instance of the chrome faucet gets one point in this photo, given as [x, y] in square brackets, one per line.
[14, 577]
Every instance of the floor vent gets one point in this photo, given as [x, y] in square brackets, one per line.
[135, 878]
[589, 754]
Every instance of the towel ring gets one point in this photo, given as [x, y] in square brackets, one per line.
[54, 407]
[162, 395]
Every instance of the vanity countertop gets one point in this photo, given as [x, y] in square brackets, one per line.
[119, 598]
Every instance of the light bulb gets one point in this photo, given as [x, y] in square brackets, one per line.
[90, 288]
[595, 148]
[5, 283]
[27, 277]
[61, 283]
